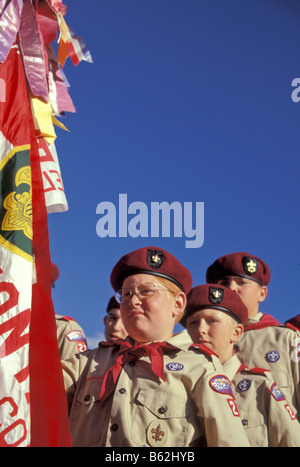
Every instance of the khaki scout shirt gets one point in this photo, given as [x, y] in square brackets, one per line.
[274, 348]
[266, 416]
[185, 410]
[70, 337]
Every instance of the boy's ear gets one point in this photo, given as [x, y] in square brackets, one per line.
[237, 333]
[180, 303]
[262, 293]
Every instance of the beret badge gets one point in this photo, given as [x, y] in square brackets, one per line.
[250, 265]
[155, 258]
[216, 295]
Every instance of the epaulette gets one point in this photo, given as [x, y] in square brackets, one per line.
[67, 318]
[290, 326]
[265, 322]
[256, 371]
[203, 349]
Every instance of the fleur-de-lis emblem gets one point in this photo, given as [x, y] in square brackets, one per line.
[157, 433]
[251, 266]
[18, 205]
[155, 258]
[216, 294]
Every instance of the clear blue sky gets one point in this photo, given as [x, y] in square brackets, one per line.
[187, 101]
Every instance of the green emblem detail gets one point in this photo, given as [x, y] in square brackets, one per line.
[16, 202]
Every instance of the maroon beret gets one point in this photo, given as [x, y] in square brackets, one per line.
[154, 261]
[112, 304]
[239, 264]
[217, 297]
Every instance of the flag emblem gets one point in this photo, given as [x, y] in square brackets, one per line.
[16, 202]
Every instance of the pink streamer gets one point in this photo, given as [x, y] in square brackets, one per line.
[10, 18]
[32, 47]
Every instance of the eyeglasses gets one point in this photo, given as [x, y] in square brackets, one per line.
[142, 292]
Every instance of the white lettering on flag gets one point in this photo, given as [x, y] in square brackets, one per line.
[15, 303]
[53, 185]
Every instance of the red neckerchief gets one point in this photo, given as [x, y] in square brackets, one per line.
[255, 370]
[127, 352]
[265, 322]
[242, 368]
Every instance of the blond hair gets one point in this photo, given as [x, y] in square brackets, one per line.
[173, 290]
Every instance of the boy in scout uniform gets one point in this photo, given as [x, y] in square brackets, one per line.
[114, 327]
[215, 317]
[150, 389]
[265, 343]
[70, 335]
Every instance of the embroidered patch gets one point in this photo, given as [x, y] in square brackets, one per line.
[216, 295]
[272, 356]
[221, 384]
[75, 336]
[276, 393]
[155, 258]
[82, 346]
[250, 265]
[233, 407]
[290, 412]
[157, 433]
[244, 385]
[174, 366]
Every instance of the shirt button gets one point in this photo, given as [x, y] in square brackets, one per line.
[244, 422]
[114, 427]
[162, 410]
[132, 362]
[87, 397]
[122, 391]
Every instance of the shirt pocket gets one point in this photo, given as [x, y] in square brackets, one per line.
[256, 431]
[168, 408]
[89, 393]
[85, 423]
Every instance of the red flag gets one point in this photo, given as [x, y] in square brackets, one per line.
[47, 392]
[33, 405]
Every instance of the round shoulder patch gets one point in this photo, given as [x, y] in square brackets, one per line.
[174, 366]
[221, 384]
[272, 356]
[244, 385]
